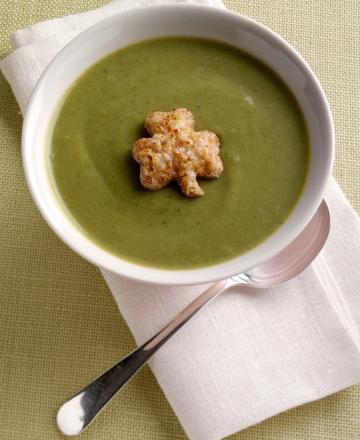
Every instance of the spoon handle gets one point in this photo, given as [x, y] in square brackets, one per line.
[77, 413]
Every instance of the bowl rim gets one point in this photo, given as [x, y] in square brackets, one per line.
[154, 275]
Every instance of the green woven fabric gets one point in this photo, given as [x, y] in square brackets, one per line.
[59, 325]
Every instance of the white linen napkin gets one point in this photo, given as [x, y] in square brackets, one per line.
[251, 353]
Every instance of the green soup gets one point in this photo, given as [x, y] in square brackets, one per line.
[264, 148]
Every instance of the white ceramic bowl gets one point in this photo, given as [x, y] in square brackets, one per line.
[136, 25]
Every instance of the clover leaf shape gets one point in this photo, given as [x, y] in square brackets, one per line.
[177, 152]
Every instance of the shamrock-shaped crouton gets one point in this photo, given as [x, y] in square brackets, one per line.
[176, 152]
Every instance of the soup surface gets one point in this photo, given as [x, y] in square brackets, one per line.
[264, 148]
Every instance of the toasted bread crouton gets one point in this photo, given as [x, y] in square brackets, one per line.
[177, 152]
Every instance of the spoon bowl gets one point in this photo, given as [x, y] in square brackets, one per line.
[295, 257]
[78, 412]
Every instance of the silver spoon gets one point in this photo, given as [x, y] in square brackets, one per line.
[77, 413]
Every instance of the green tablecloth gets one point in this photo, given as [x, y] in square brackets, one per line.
[59, 326]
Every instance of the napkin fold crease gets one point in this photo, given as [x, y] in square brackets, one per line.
[250, 354]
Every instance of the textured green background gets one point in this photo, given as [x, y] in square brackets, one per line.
[59, 326]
